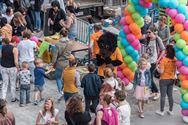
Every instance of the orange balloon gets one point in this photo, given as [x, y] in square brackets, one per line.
[138, 36]
[126, 71]
[126, 12]
[134, 28]
[178, 28]
[173, 21]
[123, 66]
[148, 1]
[128, 19]
[184, 35]
[130, 77]
[184, 84]
[181, 77]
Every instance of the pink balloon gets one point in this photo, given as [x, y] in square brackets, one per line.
[35, 39]
[180, 18]
[148, 5]
[135, 42]
[183, 70]
[118, 69]
[141, 2]
[120, 75]
[186, 25]
[122, 22]
[172, 13]
[125, 81]
[126, 29]
[167, 10]
[131, 37]
[184, 112]
[137, 47]
[179, 63]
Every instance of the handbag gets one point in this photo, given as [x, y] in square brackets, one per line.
[156, 74]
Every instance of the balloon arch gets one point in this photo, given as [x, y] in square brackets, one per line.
[129, 44]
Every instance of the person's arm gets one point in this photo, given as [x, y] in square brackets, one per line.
[160, 68]
[54, 121]
[38, 119]
[77, 79]
[167, 33]
[66, 24]
[162, 47]
[83, 82]
[99, 117]
[15, 52]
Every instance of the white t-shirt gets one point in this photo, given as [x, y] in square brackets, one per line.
[9, 18]
[113, 82]
[44, 119]
[124, 113]
[26, 50]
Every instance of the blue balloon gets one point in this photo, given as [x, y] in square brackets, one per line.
[163, 3]
[124, 42]
[176, 48]
[180, 55]
[182, 9]
[134, 54]
[185, 61]
[183, 104]
[129, 49]
[173, 4]
[143, 11]
[135, 1]
[136, 59]
[186, 16]
[122, 34]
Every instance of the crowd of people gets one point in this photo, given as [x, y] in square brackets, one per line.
[105, 96]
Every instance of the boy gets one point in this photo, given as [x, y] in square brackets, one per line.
[39, 74]
[91, 84]
[25, 78]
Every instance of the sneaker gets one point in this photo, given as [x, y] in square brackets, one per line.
[35, 102]
[159, 113]
[141, 115]
[170, 112]
[14, 100]
[157, 96]
[21, 105]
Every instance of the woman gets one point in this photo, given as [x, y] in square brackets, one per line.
[9, 66]
[55, 15]
[154, 47]
[74, 113]
[49, 115]
[9, 14]
[18, 24]
[106, 115]
[70, 23]
[5, 28]
[60, 60]
[163, 30]
[167, 70]
[6, 118]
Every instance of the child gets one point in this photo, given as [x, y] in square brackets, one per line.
[25, 78]
[123, 108]
[146, 57]
[142, 83]
[91, 84]
[39, 79]
[71, 79]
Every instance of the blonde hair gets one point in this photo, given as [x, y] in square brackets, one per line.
[52, 110]
[38, 61]
[145, 56]
[147, 17]
[19, 19]
[108, 72]
[25, 65]
[141, 61]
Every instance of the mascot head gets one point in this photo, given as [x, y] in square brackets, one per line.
[107, 44]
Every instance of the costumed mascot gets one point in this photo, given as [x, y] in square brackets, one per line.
[109, 53]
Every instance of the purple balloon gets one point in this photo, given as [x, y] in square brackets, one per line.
[125, 81]
[183, 70]
[120, 75]
[184, 112]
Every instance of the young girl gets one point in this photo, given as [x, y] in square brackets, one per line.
[49, 115]
[142, 83]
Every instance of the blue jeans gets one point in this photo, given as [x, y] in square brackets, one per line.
[67, 95]
[24, 90]
[31, 69]
[37, 20]
[58, 78]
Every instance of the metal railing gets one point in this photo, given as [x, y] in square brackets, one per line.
[115, 2]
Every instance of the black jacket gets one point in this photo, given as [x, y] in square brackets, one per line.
[91, 84]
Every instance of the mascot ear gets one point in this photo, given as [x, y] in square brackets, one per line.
[110, 39]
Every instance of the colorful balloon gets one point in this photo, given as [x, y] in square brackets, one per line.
[180, 18]
[185, 97]
[181, 43]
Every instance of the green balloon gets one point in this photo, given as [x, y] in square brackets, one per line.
[176, 37]
[154, 1]
[185, 97]
[185, 50]
[181, 43]
[132, 66]
[183, 91]
[119, 45]
[124, 54]
[182, 2]
[136, 16]
[128, 59]
[140, 22]
[131, 8]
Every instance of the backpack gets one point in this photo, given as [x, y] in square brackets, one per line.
[107, 119]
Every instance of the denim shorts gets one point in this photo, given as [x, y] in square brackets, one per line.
[38, 88]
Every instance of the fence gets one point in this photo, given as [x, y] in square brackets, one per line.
[115, 2]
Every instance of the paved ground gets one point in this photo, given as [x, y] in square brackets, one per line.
[27, 115]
